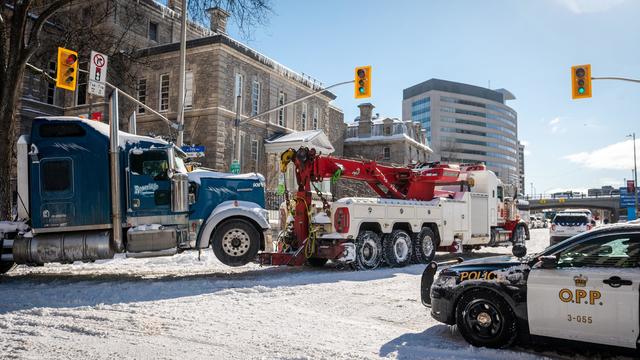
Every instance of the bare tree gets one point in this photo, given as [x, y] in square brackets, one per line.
[21, 30]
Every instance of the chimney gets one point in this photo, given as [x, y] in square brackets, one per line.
[218, 19]
[175, 5]
[365, 123]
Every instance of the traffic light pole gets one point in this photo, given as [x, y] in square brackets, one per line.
[293, 102]
[615, 78]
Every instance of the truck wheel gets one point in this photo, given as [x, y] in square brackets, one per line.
[424, 246]
[397, 248]
[236, 242]
[316, 262]
[485, 319]
[5, 267]
[368, 250]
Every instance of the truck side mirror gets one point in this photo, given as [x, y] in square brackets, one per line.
[548, 262]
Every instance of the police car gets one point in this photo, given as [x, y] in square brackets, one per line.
[585, 288]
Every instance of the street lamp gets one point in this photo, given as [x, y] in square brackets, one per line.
[635, 173]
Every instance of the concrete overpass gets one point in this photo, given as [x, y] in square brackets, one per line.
[605, 202]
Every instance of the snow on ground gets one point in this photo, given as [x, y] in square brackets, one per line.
[180, 307]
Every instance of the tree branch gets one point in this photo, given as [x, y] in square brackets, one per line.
[34, 35]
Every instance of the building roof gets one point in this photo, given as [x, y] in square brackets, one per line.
[245, 50]
[310, 138]
[457, 88]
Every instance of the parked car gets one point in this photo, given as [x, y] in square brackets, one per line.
[566, 225]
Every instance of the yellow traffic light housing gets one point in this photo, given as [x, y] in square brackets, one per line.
[581, 81]
[362, 88]
[67, 73]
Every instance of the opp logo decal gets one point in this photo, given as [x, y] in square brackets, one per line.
[580, 296]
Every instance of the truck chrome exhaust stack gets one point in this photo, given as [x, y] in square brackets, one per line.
[114, 154]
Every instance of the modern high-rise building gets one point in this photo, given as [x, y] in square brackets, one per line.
[467, 124]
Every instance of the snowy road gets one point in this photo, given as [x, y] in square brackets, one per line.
[179, 307]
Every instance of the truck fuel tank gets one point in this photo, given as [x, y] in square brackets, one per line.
[65, 247]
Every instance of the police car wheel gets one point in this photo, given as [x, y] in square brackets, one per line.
[236, 242]
[368, 250]
[397, 248]
[484, 319]
[424, 246]
[6, 267]
[316, 262]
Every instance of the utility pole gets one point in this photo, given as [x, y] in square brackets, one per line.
[181, 88]
[532, 194]
[635, 173]
[235, 164]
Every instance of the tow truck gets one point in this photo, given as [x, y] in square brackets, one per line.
[420, 208]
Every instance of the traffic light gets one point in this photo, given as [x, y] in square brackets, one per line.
[581, 81]
[362, 82]
[67, 73]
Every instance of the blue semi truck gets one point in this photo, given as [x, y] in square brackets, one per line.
[85, 195]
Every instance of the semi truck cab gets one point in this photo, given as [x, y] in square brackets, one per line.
[65, 189]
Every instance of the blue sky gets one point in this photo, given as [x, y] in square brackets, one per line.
[526, 47]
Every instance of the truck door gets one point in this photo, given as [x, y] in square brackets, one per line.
[592, 295]
[148, 182]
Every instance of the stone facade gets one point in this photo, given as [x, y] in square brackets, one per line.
[386, 140]
[217, 64]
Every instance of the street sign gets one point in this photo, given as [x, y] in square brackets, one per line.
[626, 198]
[631, 186]
[235, 167]
[194, 151]
[97, 73]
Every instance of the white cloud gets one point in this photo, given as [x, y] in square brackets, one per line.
[556, 127]
[610, 181]
[618, 156]
[524, 142]
[589, 6]
[527, 152]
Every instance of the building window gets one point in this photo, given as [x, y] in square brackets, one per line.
[303, 116]
[255, 98]
[164, 92]
[386, 153]
[188, 90]
[387, 130]
[142, 94]
[153, 31]
[282, 97]
[254, 150]
[51, 87]
[238, 90]
[81, 87]
[315, 120]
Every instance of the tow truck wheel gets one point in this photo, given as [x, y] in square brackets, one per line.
[236, 242]
[397, 248]
[424, 246]
[484, 319]
[316, 262]
[368, 250]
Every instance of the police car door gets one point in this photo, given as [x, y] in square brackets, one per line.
[592, 295]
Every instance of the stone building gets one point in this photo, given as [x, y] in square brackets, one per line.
[384, 139]
[219, 69]
[113, 27]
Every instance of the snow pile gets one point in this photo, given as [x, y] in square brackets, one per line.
[183, 308]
